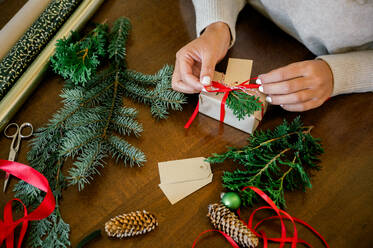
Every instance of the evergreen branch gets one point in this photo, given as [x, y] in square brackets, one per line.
[78, 60]
[124, 151]
[86, 101]
[86, 164]
[267, 162]
[266, 166]
[309, 128]
[127, 126]
[117, 46]
[111, 109]
[243, 104]
[93, 113]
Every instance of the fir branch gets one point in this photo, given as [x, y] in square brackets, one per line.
[118, 39]
[93, 122]
[85, 167]
[121, 150]
[275, 161]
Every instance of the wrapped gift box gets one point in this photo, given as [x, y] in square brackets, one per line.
[238, 71]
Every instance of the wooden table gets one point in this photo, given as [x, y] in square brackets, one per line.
[339, 205]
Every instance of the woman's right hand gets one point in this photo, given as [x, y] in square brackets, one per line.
[195, 62]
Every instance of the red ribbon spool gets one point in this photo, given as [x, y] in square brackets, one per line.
[35, 178]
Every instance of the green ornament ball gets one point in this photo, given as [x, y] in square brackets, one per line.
[231, 200]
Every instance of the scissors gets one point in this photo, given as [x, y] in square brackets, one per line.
[16, 140]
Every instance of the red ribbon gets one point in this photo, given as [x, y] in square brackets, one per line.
[280, 214]
[35, 178]
[226, 90]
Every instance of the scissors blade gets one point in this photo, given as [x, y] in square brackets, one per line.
[12, 156]
[7, 175]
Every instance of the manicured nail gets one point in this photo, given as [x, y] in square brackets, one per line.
[204, 90]
[258, 81]
[268, 99]
[261, 89]
[206, 80]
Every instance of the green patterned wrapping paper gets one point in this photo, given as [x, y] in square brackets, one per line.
[33, 41]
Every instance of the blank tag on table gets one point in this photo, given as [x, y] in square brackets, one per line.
[180, 178]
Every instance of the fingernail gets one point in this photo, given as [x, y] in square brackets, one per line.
[204, 90]
[258, 81]
[268, 99]
[261, 89]
[206, 80]
[282, 105]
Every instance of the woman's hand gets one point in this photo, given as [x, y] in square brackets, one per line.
[299, 86]
[195, 62]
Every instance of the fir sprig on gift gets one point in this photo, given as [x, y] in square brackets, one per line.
[243, 104]
[92, 123]
[273, 161]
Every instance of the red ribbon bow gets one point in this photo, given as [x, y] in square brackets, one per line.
[280, 215]
[35, 178]
[218, 87]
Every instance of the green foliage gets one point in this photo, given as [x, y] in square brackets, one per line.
[77, 58]
[49, 232]
[273, 161]
[243, 104]
[118, 37]
[92, 123]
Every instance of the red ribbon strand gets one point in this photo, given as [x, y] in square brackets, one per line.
[280, 214]
[35, 178]
[218, 87]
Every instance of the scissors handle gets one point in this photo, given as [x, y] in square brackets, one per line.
[26, 125]
[6, 133]
[18, 134]
[16, 140]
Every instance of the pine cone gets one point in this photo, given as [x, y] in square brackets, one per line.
[226, 221]
[132, 224]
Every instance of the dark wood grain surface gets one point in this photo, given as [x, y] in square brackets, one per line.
[339, 205]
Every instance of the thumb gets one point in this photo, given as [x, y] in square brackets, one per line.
[207, 70]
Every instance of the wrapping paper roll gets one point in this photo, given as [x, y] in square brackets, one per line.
[30, 79]
[33, 41]
[20, 22]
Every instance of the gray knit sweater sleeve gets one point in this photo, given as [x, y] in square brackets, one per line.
[210, 11]
[352, 72]
[303, 19]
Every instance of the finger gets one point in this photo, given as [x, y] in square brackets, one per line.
[182, 87]
[186, 74]
[207, 69]
[299, 107]
[196, 69]
[177, 83]
[292, 98]
[285, 87]
[281, 74]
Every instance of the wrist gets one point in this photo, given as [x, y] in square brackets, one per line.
[220, 31]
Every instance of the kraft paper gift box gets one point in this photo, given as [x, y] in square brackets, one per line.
[238, 71]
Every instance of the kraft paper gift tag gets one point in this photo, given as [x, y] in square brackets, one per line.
[180, 178]
[238, 71]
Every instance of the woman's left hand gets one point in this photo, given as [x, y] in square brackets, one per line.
[299, 86]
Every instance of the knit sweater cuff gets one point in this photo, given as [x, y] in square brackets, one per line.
[210, 11]
[352, 72]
